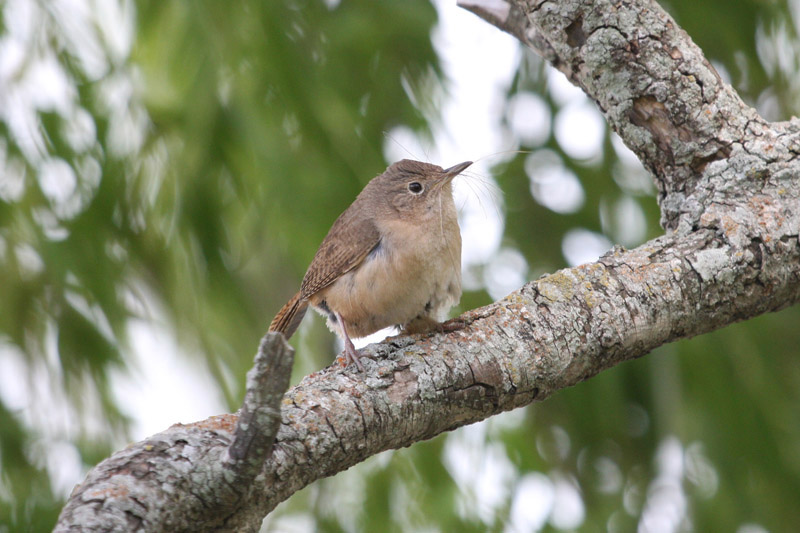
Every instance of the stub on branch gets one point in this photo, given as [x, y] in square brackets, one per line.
[260, 416]
[144, 486]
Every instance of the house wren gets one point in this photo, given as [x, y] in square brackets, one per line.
[393, 258]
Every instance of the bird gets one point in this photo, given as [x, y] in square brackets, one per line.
[392, 258]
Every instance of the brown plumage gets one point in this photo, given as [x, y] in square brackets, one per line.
[392, 258]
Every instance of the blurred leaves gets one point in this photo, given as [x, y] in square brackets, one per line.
[180, 162]
[177, 175]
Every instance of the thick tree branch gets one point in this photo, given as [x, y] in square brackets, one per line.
[553, 333]
[730, 198]
[652, 83]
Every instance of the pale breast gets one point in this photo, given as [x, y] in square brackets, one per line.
[406, 276]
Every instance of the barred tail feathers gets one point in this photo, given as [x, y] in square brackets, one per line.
[290, 315]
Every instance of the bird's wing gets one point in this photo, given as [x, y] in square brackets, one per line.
[351, 238]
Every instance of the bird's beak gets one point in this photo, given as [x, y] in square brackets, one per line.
[449, 173]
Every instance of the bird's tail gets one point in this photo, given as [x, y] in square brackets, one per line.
[290, 315]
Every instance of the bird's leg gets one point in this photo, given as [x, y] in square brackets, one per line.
[350, 352]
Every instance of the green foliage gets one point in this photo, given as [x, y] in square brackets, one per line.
[187, 173]
[203, 205]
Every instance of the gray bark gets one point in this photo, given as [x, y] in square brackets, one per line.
[730, 200]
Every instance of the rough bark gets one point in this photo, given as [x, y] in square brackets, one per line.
[730, 198]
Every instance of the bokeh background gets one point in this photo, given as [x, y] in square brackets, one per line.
[167, 170]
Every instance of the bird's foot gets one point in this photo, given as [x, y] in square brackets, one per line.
[427, 325]
[454, 324]
[351, 355]
[350, 352]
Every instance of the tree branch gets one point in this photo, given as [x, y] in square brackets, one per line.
[553, 333]
[648, 78]
[730, 198]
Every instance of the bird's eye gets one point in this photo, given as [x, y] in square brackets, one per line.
[415, 187]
